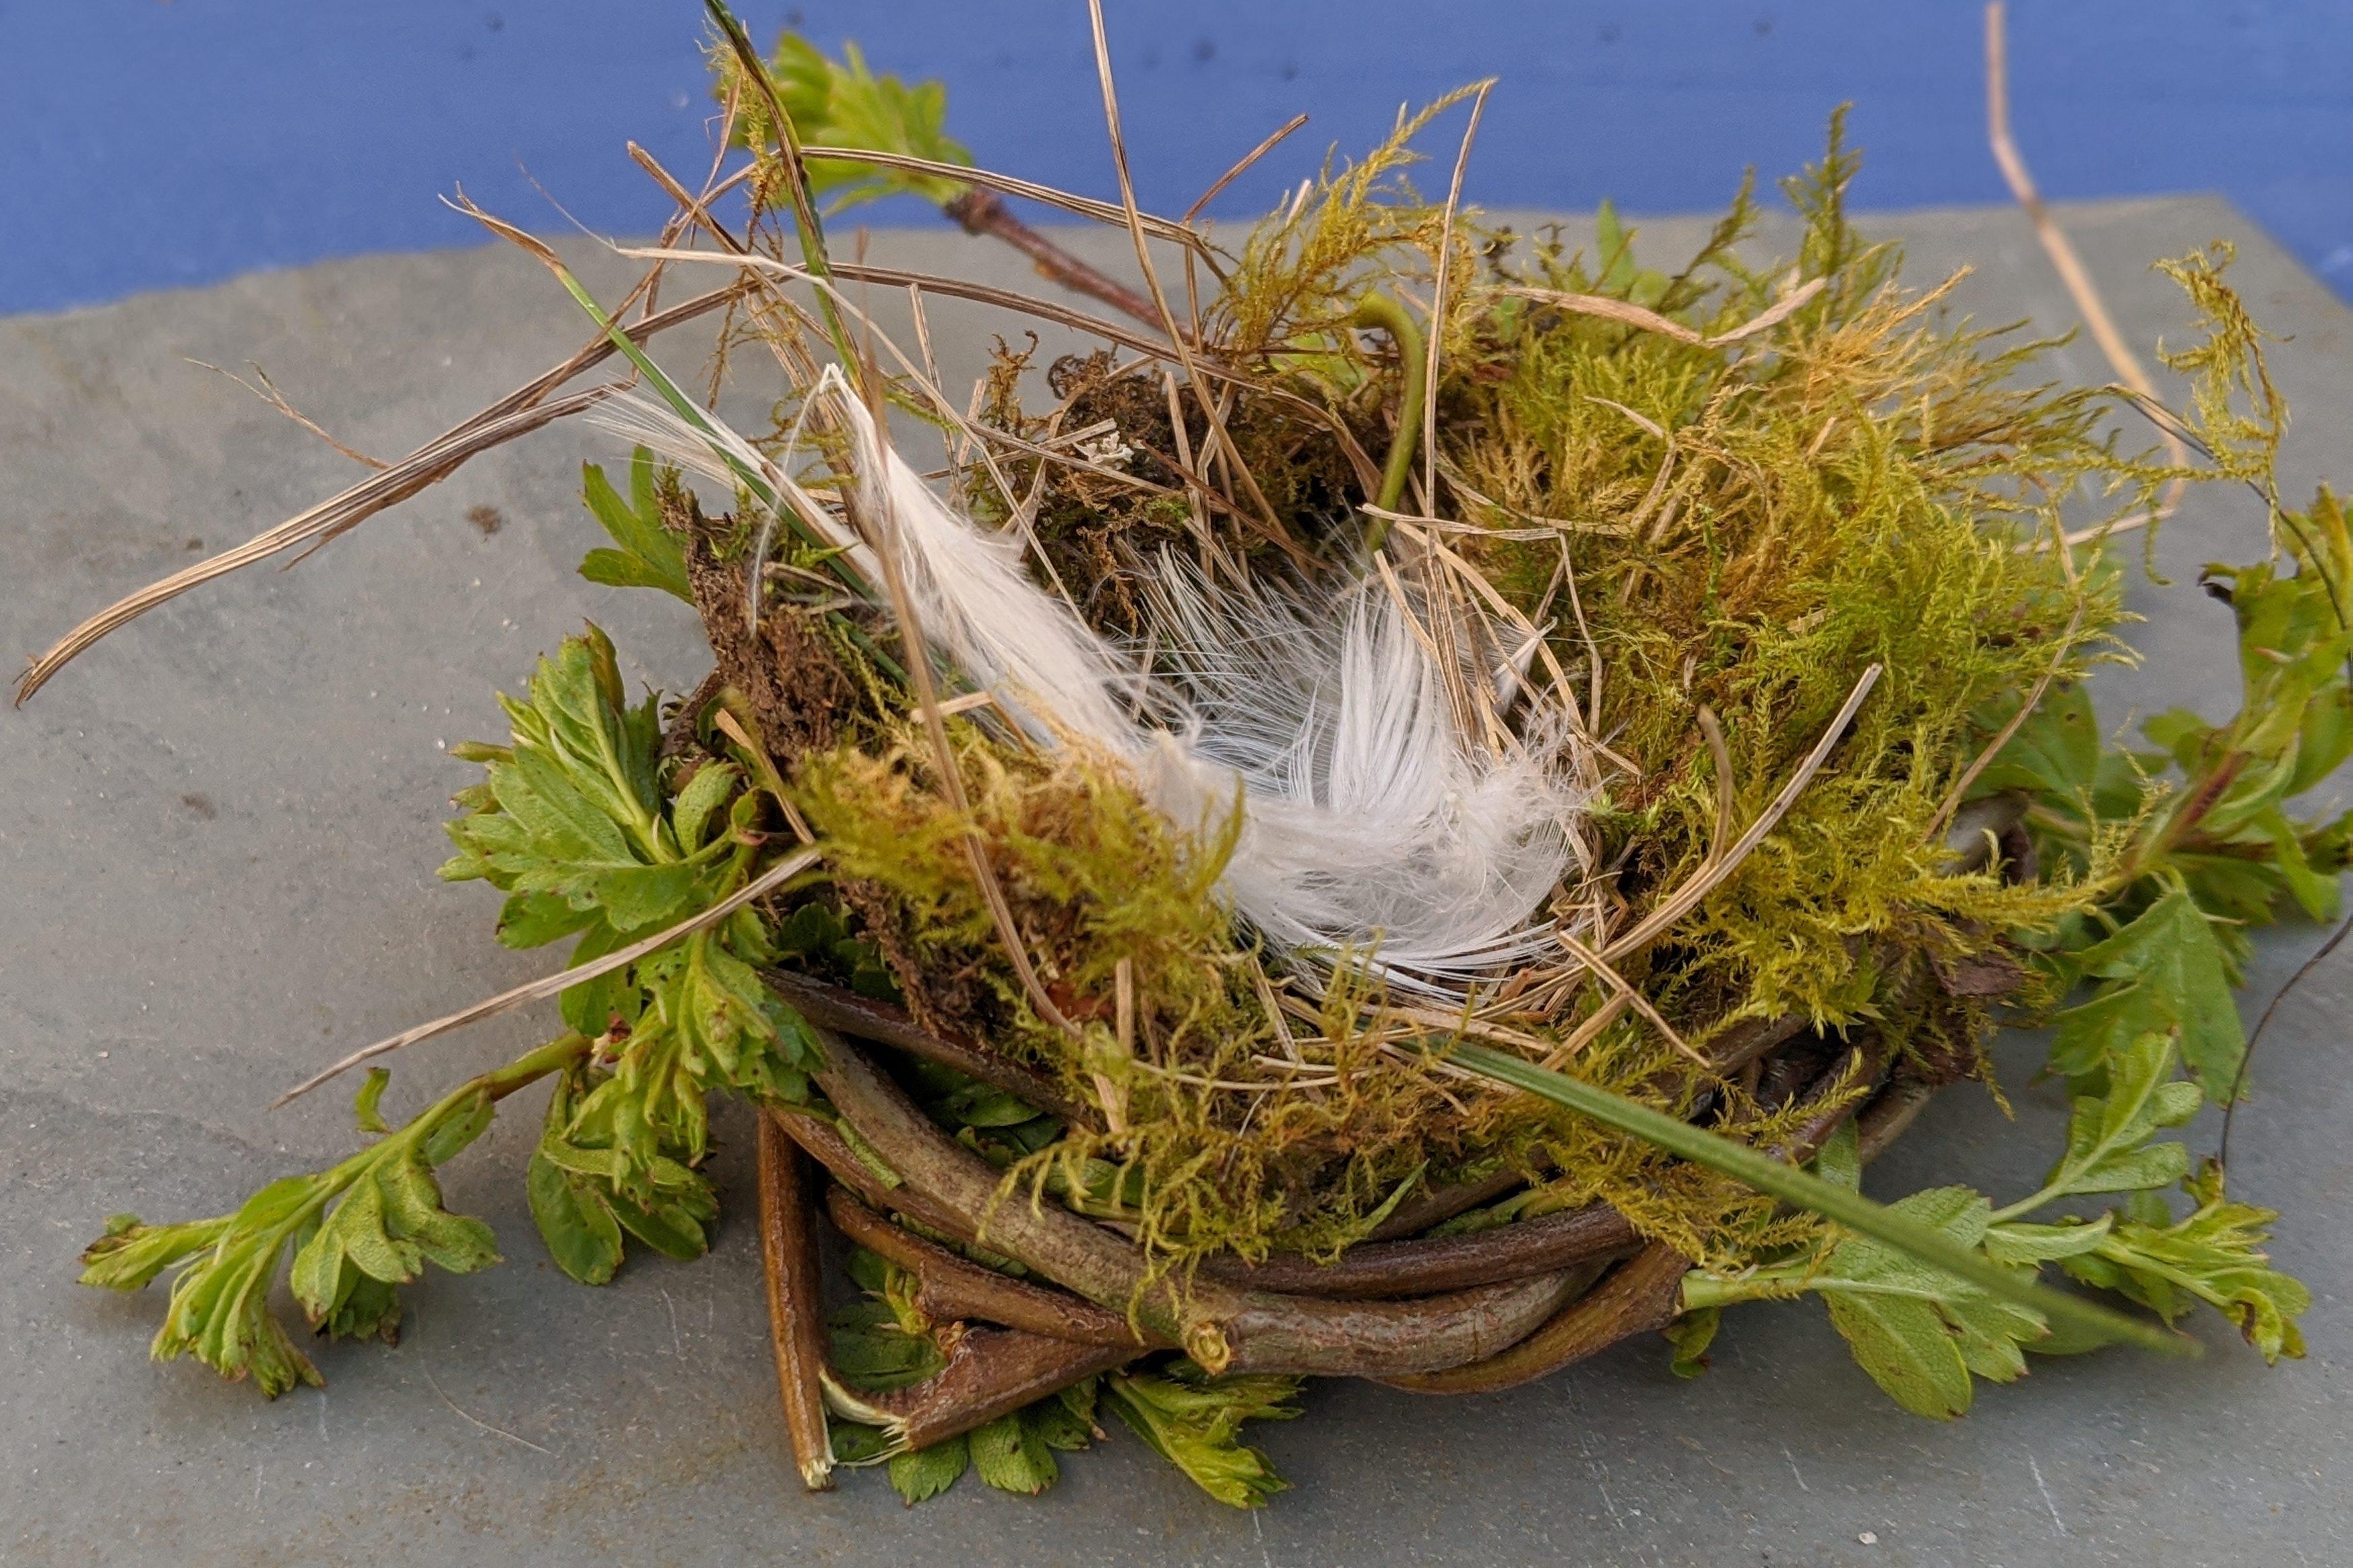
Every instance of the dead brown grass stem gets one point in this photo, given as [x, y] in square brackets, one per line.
[1266, 521]
[518, 412]
[563, 980]
[1443, 264]
[1713, 871]
[2069, 264]
[1248, 158]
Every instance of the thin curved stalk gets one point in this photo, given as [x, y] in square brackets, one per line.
[864, 1018]
[1382, 313]
[1378, 1269]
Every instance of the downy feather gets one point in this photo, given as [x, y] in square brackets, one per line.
[1371, 825]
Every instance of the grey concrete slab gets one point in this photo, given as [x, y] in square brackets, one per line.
[218, 844]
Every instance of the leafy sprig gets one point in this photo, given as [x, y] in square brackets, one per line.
[1925, 1336]
[355, 1231]
[842, 103]
[645, 554]
[575, 824]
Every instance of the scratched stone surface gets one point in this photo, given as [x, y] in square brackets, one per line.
[218, 852]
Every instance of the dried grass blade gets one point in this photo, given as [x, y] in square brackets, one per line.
[518, 412]
[548, 985]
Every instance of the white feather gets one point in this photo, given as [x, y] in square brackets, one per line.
[1370, 823]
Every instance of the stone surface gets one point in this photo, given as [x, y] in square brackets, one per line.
[219, 851]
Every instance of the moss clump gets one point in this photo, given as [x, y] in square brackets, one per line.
[1725, 532]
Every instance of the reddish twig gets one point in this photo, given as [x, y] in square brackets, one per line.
[985, 212]
[796, 1312]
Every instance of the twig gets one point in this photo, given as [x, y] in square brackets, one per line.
[564, 980]
[1600, 967]
[964, 174]
[953, 1289]
[1640, 1294]
[267, 392]
[788, 1264]
[864, 1018]
[2062, 250]
[984, 211]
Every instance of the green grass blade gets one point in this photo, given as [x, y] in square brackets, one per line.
[1807, 1191]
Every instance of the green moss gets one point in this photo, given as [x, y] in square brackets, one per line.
[1737, 527]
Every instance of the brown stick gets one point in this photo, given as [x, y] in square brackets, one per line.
[989, 1373]
[953, 1289]
[863, 1019]
[985, 212]
[1223, 1327]
[1439, 1204]
[1885, 1119]
[1373, 1270]
[1644, 1293]
[795, 1313]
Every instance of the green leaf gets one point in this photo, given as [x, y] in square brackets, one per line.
[1192, 1421]
[371, 1094]
[983, 1105]
[1906, 1349]
[2018, 1243]
[413, 1211]
[355, 1231]
[2165, 972]
[2108, 1147]
[131, 1254]
[2055, 754]
[871, 1352]
[1840, 1163]
[534, 919]
[846, 105]
[1066, 1420]
[1691, 1334]
[1012, 1456]
[672, 1225]
[925, 1473]
[854, 1443]
[2212, 1255]
[574, 1220]
[649, 556]
[705, 792]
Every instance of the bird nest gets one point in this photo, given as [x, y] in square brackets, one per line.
[1418, 812]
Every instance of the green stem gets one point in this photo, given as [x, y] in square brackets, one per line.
[1807, 1191]
[1381, 313]
[805, 214]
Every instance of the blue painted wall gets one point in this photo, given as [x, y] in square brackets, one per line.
[147, 144]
